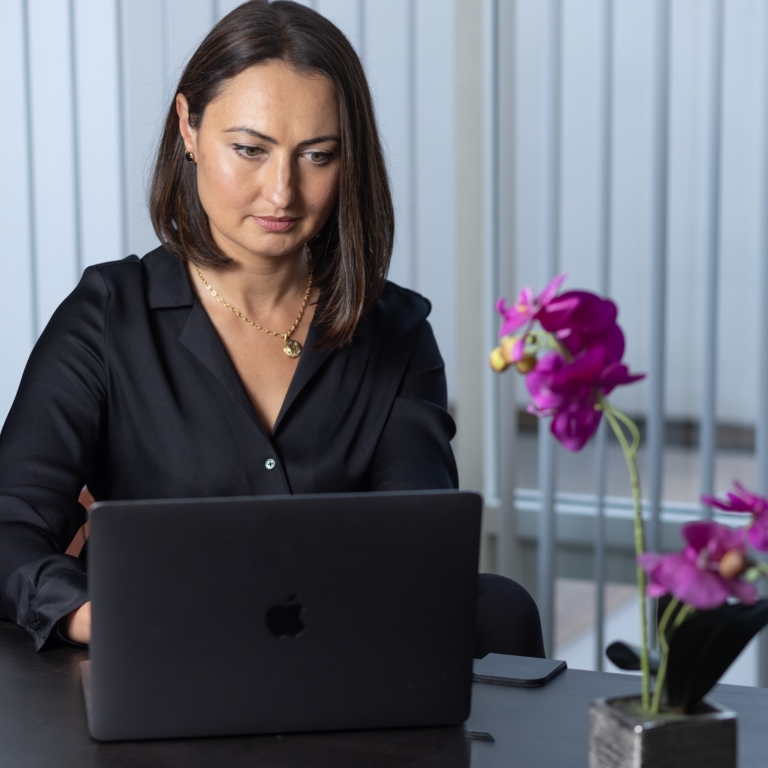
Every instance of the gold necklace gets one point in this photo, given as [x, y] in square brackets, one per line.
[292, 348]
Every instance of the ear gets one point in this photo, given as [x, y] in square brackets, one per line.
[188, 133]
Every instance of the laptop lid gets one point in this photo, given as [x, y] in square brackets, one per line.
[281, 614]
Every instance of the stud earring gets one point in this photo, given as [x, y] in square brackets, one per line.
[190, 156]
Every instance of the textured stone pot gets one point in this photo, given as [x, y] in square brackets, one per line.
[621, 736]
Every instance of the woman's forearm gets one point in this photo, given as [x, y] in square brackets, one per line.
[76, 625]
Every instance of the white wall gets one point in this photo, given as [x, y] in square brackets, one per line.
[85, 86]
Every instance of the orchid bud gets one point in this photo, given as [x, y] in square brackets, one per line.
[527, 363]
[733, 564]
[752, 574]
[506, 346]
[497, 361]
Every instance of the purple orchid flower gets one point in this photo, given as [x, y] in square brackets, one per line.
[585, 320]
[693, 575]
[746, 502]
[566, 384]
[527, 307]
[568, 392]
[526, 310]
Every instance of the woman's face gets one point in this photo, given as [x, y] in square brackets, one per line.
[267, 153]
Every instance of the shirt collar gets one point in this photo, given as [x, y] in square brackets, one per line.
[167, 280]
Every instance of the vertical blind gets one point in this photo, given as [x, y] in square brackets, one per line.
[639, 168]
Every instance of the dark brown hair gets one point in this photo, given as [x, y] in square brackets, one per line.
[351, 253]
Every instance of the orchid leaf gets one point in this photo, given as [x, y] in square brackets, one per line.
[703, 647]
[627, 656]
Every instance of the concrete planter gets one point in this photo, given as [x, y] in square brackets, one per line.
[622, 736]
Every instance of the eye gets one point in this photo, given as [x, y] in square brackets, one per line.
[248, 151]
[319, 158]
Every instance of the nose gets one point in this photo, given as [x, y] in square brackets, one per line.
[280, 182]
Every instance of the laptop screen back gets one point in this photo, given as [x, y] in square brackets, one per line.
[280, 614]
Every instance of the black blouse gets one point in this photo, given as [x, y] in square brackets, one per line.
[130, 391]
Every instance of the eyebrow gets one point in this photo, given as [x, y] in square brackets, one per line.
[264, 137]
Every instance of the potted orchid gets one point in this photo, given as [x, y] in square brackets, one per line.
[569, 347]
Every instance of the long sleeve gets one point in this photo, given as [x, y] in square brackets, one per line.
[47, 449]
[414, 451]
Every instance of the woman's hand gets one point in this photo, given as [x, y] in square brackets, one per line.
[76, 625]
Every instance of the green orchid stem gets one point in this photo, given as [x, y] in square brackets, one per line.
[664, 646]
[558, 347]
[682, 616]
[541, 341]
[616, 418]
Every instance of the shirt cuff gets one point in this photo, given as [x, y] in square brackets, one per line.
[39, 594]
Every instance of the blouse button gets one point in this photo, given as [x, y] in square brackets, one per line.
[269, 463]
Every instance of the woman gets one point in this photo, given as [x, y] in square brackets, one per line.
[260, 350]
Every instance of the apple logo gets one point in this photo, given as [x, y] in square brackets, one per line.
[285, 620]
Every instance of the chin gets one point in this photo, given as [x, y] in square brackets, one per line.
[270, 245]
[274, 250]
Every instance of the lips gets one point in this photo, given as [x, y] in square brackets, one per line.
[275, 223]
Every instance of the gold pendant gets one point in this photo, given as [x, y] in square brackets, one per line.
[292, 348]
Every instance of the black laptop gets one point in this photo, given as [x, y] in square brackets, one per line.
[280, 614]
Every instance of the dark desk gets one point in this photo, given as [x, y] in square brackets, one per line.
[42, 725]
